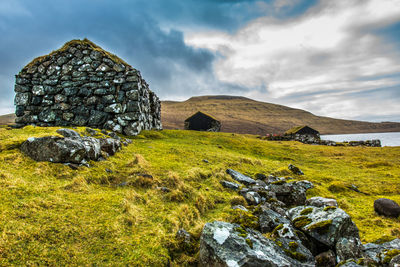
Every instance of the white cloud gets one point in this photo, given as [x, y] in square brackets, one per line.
[329, 48]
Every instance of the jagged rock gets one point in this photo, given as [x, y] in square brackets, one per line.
[321, 202]
[110, 145]
[253, 198]
[305, 184]
[295, 169]
[387, 207]
[269, 219]
[326, 225]
[376, 251]
[230, 185]
[183, 236]
[275, 205]
[326, 259]
[296, 250]
[225, 244]
[241, 178]
[289, 193]
[260, 176]
[348, 248]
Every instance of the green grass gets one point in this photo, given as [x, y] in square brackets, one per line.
[53, 215]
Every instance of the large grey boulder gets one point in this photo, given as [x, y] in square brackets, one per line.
[387, 207]
[225, 244]
[292, 193]
[55, 149]
[326, 225]
[241, 178]
[73, 148]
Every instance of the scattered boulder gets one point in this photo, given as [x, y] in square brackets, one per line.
[225, 244]
[387, 207]
[68, 133]
[295, 169]
[230, 185]
[321, 202]
[291, 193]
[241, 178]
[110, 145]
[326, 225]
[253, 198]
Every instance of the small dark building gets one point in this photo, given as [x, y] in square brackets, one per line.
[202, 122]
[302, 130]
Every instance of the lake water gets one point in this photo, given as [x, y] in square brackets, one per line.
[387, 139]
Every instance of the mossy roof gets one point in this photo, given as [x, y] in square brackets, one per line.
[74, 42]
[296, 129]
[202, 113]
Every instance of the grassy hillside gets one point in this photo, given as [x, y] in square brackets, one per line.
[53, 215]
[7, 119]
[243, 115]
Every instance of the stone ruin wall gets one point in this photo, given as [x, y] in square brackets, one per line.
[83, 86]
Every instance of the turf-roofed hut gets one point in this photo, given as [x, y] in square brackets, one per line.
[302, 130]
[81, 84]
[202, 122]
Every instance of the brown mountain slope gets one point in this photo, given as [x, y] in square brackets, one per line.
[7, 119]
[243, 115]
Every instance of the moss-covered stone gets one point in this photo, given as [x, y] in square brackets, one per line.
[330, 208]
[276, 229]
[320, 227]
[249, 242]
[293, 245]
[245, 219]
[295, 255]
[306, 211]
[301, 221]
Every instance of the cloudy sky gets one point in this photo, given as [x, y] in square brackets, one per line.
[333, 58]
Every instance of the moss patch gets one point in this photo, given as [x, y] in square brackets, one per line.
[327, 208]
[388, 255]
[295, 255]
[320, 227]
[306, 211]
[301, 221]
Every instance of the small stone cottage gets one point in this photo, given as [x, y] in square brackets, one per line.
[302, 130]
[202, 122]
[81, 84]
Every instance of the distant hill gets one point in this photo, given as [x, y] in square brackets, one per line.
[7, 119]
[244, 115]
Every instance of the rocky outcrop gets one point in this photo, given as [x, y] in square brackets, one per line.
[387, 207]
[81, 84]
[72, 148]
[225, 244]
[319, 234]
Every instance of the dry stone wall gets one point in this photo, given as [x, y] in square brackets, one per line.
[83, 85]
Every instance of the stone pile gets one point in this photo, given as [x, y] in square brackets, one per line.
[83, 85]
[301, 232]
[315, 140]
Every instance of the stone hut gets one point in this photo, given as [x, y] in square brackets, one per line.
[202, 122]
[302, 130]
[81, 84]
